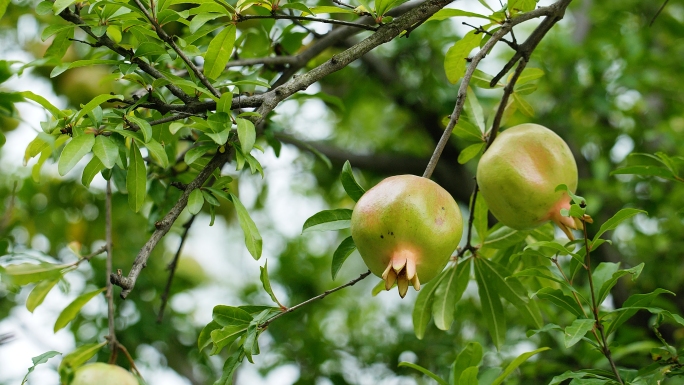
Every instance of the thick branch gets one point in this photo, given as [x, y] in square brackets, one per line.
[127, 283]
[109, 294]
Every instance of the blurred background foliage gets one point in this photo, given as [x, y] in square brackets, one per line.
[612, 86]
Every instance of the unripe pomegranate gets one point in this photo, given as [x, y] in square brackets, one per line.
[518, 176]
[103, 374]
[406, 228]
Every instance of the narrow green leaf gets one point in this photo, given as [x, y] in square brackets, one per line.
[105, 149]
[330, 9]
[246, 134]
[70, 312]
[635, 300]
[252, 237]
[80, 356]
[469, 376]
[603, 273]
[24, 273]
[298, 6]
[615, 220]
[39, 292]
[422, 309]
[136, 179]
[230, 315]
[3, 7]
[470, 152]
[446, 13]
[158, 153]
[74, 151]
[56, 112]
[448, 293]
[523, 105]
[91, 170]
[466, 130]
[226, 99]
[204, 338]
[492, 310]
[197, 152]
[456, 57]
[266, 283]
[353, 189]
[341, 253]
[424, 371]
[504, 237]
[195, 201]
[480, 220]
[515, 363]
[561, 300]
[219, 51]
[529, 74]
[474, 110]
[606, 286]
[328, 220]
[40, 359]
[575, 332]
[470, 356]
[94, 103]
[229, 368]
[225, 336]
[645, 171]
[143, 125]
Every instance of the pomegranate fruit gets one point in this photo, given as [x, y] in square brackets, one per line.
[103, 374]
[518, 176]
[406, 228]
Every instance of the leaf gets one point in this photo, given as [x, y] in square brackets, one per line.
[561, 300]
[446, 13]
[197, 152]
[230, 316]
[56, 112]
[328, 220]
[74, 151]
[94, 103]
[252, 237]
[615, 220]
[58, 70]
[43, 358]
[456, 57]
[330, 9]
[219, 51]
[106, 150]
[469, 376]
[246, 134]
[39, 292]
[136, 179]
[470, 152]
[424, 371]
[607, 285]
[80, 356]
[158, 153]
[225, 101]
[422, 309]
[529, 74]
[229, 368]
[504, 237]
[635, 300]
[266, 283]
[474, 110]
[448, 293]
[575, 332]
[23, 273]
[522, 104]
[480, 220]
[298, 6]
[204, 338]
[515, 363]
[70, 312]
[492, 310]
[91, 170]
[341, 253]
[466, 130]
[351, 187]
[470, 356]
[3, 7]
[225, 336]
[195, 202]
[143, 125]
[61, 5]
[646, 171]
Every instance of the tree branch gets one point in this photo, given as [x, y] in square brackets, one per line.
[109, 294]
[172, 268]
[128, 283]
[305, 18]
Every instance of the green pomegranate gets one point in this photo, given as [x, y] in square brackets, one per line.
[406, 228]
[518, 176]
[103, 374]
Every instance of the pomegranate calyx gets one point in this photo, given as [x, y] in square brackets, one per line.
[401, 270]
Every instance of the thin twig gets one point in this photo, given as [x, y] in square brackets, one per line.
[658, 13]
[110, 292]
[316, 298]
[306, 18]
[172, 268]
[169, 40]
[595, 309]
[338, 2]
[480, 29]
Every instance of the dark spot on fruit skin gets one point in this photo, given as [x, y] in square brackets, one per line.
[442, 208]
[382, 236]
[392, 233]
